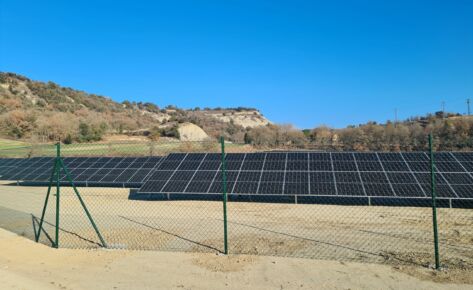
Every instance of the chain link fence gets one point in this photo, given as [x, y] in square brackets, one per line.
[274, 205]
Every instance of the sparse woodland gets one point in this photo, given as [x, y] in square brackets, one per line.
[45, 112]
[451, 132]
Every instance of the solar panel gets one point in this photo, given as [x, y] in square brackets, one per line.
[88, 171]
[449, 166]
[252, 165]
[463, 190]
[111, 175]
[415, 156]
[347, 177]
[371, 157]
[395, 166]
[379, 189]
[443, 156]
[321, 177]
[274, 165]
[458, 178]
[402, 177]
[319, 157]
[343, 156]
[350, 189]
[337, 174]
[278, 156]
[391, 157]
[340, 174]
[197, 186]
[139, 176]
[323, 189]
[270, 188]
[374, 177]
[369, 166]
[320, 166]
[344, 166]
[463, 156]
[408, 190]
[468, 166]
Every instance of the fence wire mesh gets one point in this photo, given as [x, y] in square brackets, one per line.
[285, 214]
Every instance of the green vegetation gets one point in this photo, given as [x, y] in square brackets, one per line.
[171, 131]
[88, 133]
[110, 149]
[11, 144]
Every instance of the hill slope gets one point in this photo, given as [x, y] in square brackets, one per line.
[46, 112]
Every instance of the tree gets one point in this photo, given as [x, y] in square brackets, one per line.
[84, 132]
[247, 138]
[68, 139]
[18, 123]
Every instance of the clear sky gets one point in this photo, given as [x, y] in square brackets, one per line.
[302, 62]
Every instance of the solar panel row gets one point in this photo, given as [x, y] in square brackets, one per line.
[90, 171]
[402, 175]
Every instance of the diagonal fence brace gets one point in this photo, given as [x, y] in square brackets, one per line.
[55, 178]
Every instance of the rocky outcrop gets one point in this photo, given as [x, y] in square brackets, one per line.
[191, 132]
[246, 119]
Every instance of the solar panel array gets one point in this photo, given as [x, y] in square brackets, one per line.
[346, 174]
[85, 171]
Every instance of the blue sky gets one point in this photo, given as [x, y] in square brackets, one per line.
[302, 62]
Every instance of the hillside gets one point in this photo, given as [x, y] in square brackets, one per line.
[38, 111]
[43, 112]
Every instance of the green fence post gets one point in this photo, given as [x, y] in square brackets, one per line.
[434, 203]
[51, 180]
[58, 189]
[224, 192]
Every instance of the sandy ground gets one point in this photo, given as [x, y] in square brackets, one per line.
[399, 237]
[28, 265]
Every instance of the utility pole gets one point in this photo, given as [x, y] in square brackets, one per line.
[443, 109]
[468, 105]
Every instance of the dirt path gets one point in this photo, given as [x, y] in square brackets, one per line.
[27, 265]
